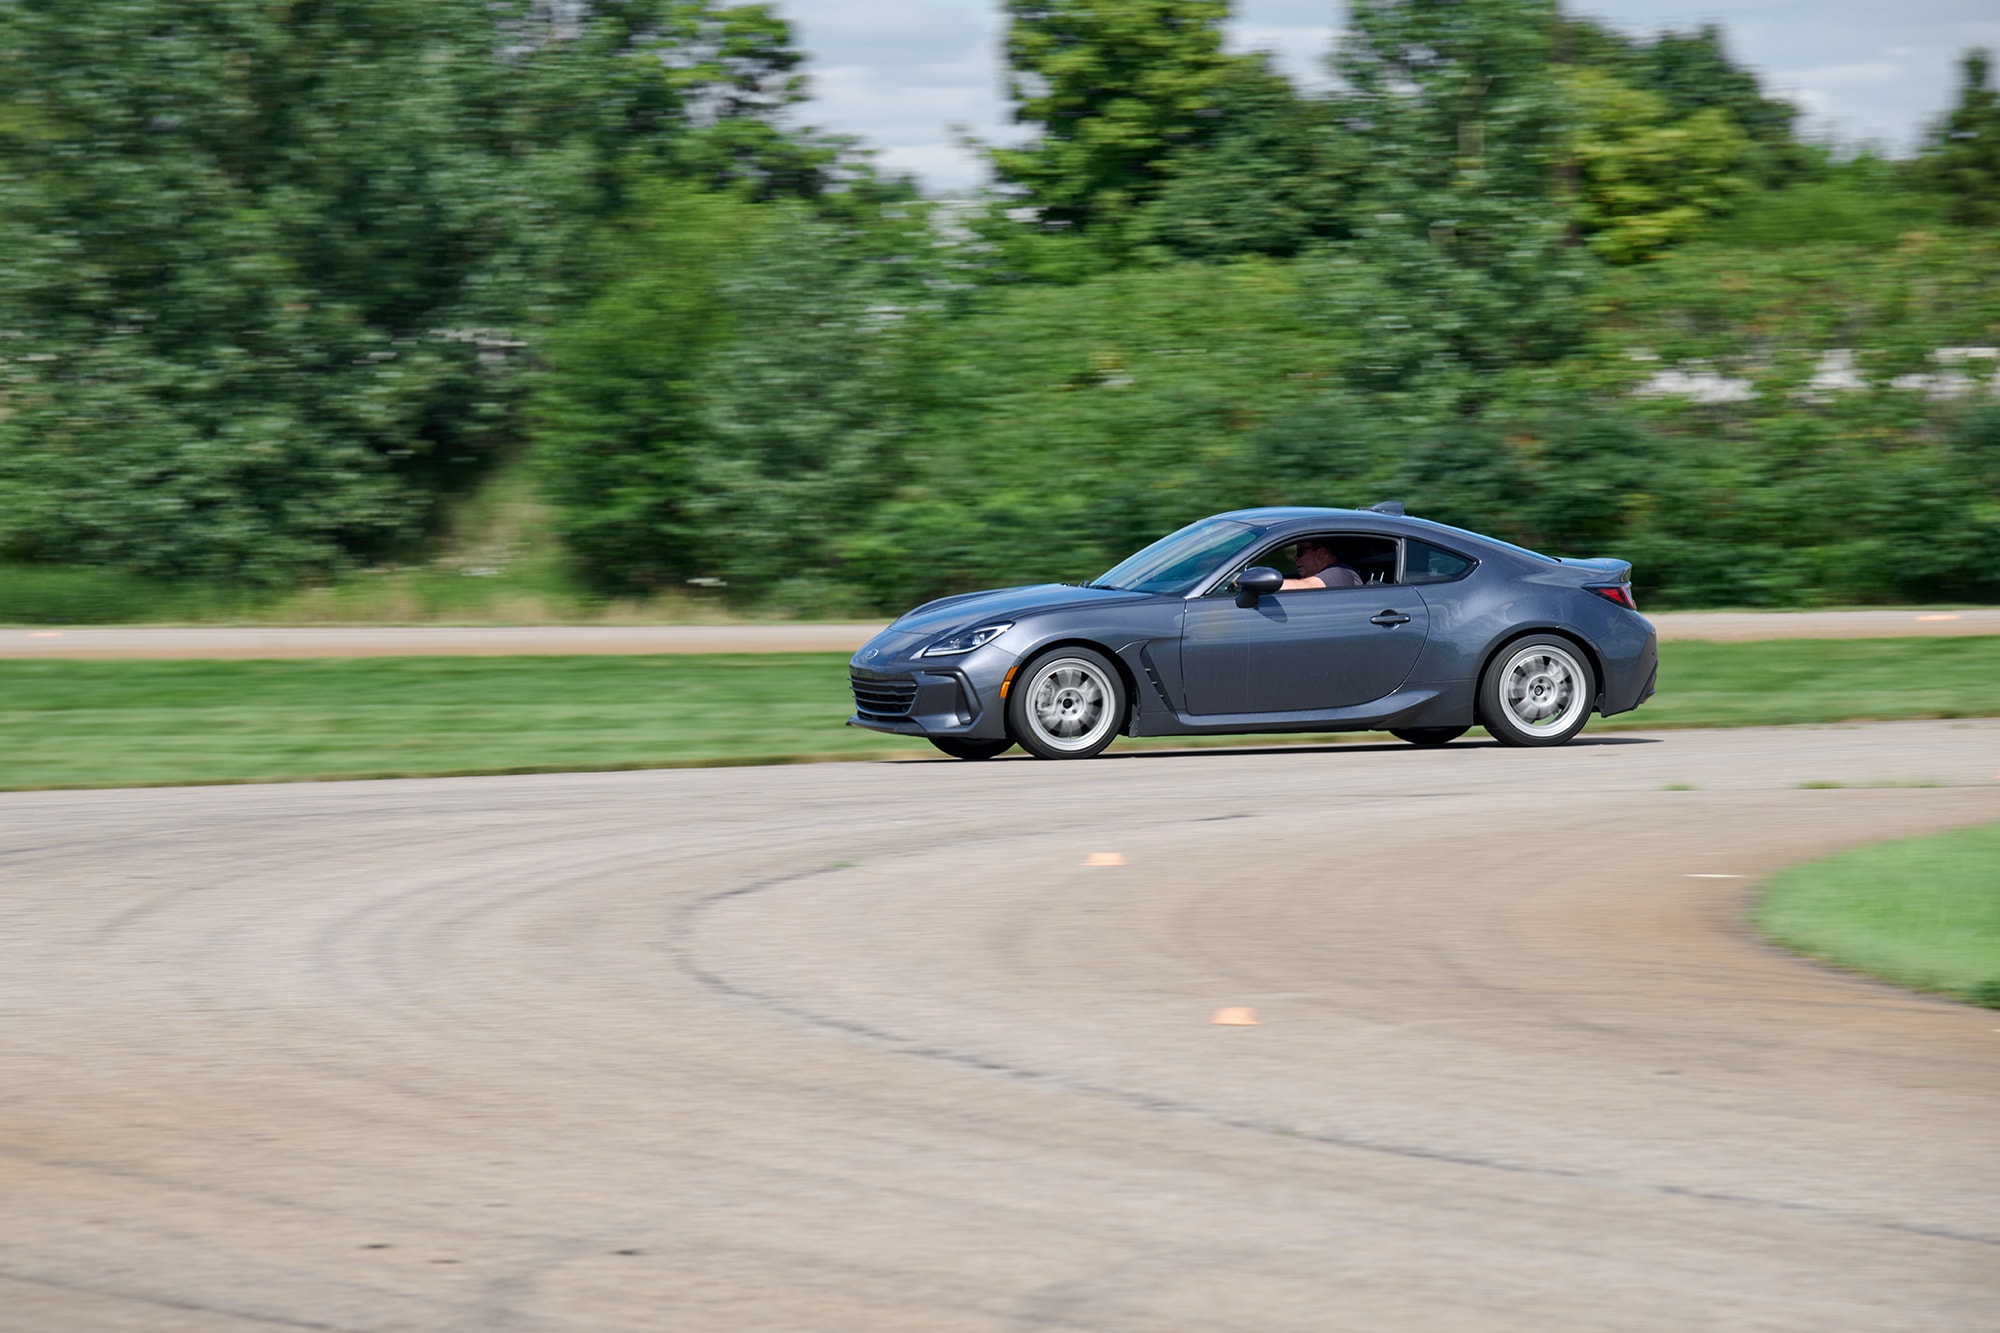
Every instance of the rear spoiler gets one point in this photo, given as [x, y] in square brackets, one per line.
[1603, 569]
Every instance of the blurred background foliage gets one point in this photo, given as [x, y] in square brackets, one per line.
[289, 294]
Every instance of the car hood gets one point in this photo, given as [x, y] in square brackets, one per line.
[973, 608]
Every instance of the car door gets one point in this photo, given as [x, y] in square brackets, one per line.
[1306, 649]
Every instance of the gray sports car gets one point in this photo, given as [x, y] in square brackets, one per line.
[1271, 620]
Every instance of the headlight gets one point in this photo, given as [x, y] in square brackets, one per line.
[966, 640]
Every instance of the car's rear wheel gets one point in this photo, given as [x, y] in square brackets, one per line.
[1067, 704]
[1537, 691]
[963, 747]
[1428, 737]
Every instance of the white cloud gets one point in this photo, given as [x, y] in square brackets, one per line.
[1863, 71]
[1811, 102]
[1300, 53]
[896, 73]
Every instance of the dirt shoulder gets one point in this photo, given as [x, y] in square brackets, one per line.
[271, 641]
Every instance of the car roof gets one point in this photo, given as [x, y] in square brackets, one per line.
[1275, 518]
[1274, 514]
[1284, 516]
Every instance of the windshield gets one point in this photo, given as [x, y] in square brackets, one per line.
[1179, 560]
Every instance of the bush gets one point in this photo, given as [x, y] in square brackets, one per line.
[80, 595]
[734, 405]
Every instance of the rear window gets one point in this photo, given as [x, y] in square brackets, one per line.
[1424, 563]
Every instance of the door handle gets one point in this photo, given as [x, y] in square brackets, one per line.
[1389, 619]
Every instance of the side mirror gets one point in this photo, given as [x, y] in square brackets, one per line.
[1257, 581]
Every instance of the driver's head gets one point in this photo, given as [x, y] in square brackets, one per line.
[1313, 556]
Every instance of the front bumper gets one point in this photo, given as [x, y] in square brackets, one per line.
[946, 701]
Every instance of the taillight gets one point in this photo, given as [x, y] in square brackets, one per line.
[1620, 593]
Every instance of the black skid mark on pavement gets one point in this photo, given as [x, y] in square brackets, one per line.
[681, 949]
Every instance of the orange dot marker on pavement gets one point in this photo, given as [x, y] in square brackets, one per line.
[1236, 1018]
[1105, 859]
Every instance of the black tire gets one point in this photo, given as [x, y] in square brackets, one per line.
[962, 747]
[1429, 737]
[1537, 691]
[1069, 703]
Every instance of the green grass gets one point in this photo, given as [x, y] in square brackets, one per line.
[127, 723]
[123, 723]
[1923, 912]
[1804, 681]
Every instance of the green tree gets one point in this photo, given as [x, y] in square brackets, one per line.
[1693, 73]
[1461, 265]
[1574, 484]
[1113, 87]
[266, 270]
[1060, 428]
[1274, 173]
[1645, 180]
[733, 404]
[1963, 158]
[616, 417]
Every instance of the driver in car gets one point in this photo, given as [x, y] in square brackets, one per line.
[1319, 567]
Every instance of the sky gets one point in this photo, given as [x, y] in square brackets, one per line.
[899, 74]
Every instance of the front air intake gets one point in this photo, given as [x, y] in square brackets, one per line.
[889, 697]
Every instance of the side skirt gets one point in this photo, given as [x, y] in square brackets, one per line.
[1446, 704]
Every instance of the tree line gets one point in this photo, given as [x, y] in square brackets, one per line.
[276, 281]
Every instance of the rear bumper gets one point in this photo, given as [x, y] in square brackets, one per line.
[1632, 679]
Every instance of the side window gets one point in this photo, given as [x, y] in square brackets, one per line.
[1424, 563]
[1373, 558]
[1370, 559]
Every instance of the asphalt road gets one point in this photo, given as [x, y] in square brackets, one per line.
[287, 641]
[871, 1047]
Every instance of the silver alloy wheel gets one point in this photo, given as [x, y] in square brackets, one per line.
[1069, 704]
[1543, 689]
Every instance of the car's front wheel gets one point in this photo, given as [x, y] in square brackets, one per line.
[962, 747]
[1066, 704]
[1428, 737]
[1537, 691]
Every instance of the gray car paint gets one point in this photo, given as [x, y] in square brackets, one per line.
[1199, 664]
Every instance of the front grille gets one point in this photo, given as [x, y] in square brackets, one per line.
[883, 698]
